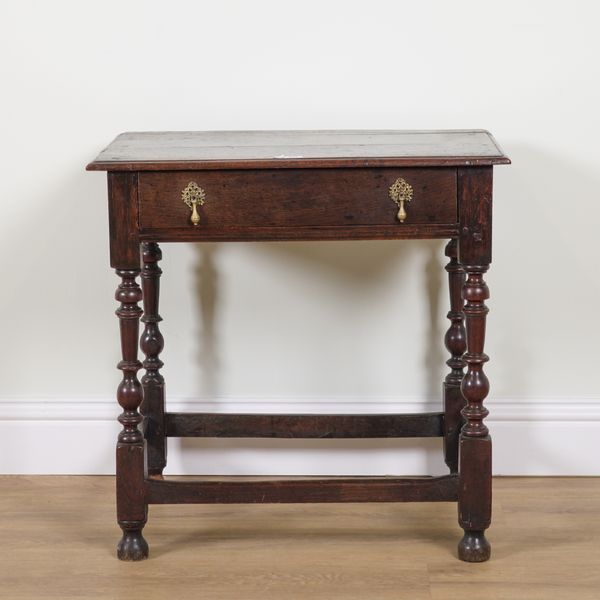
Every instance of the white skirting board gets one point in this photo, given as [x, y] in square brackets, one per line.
[531, 437]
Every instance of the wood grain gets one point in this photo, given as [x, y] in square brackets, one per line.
[293, 234]
[151, 344]
[300, 186]
[188, 150]
[294, 491]
[296, 198]
[316, 426]
[456, 344]
[132, 510]
[123, 220]
[58, 539]
[475, 445]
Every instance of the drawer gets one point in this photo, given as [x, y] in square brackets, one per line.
[296, 198]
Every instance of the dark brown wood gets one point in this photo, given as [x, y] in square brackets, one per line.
[151, 344]
[456, 343]
[131, 507]
[475, 215]
[475, 488]
[475, 498]
[156, 151]
[302, 186]
[332, 489]
[475, 243]
[123, 220]
[304, 426]
[296, 198]
[350, 232]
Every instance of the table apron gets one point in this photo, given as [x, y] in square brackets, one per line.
[305, 204]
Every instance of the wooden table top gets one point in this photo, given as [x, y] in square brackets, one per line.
[158, 151]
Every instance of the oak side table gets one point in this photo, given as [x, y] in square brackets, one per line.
[301, 185]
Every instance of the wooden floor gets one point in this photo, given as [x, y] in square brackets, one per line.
[58, 541]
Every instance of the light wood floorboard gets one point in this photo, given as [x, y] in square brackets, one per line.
[58, 537]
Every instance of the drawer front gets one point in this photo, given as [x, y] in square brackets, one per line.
[296, 198]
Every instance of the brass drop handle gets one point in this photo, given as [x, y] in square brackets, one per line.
[193, 195]
[401, 192]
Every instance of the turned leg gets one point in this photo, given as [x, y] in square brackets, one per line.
[456, 344]
[475, 444]
[475, 488]
[151, 343]
[131, 507]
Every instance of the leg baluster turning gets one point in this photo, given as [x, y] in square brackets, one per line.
[456, 343]
[151, 343]
[131, 507]
[475, 489]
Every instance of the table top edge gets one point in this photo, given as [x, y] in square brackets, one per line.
[103, 162]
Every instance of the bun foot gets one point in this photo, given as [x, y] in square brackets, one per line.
[132, 546]
[474, 547]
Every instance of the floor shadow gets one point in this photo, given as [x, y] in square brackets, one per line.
[392, 523]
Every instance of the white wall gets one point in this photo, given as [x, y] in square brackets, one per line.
[299, 326]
